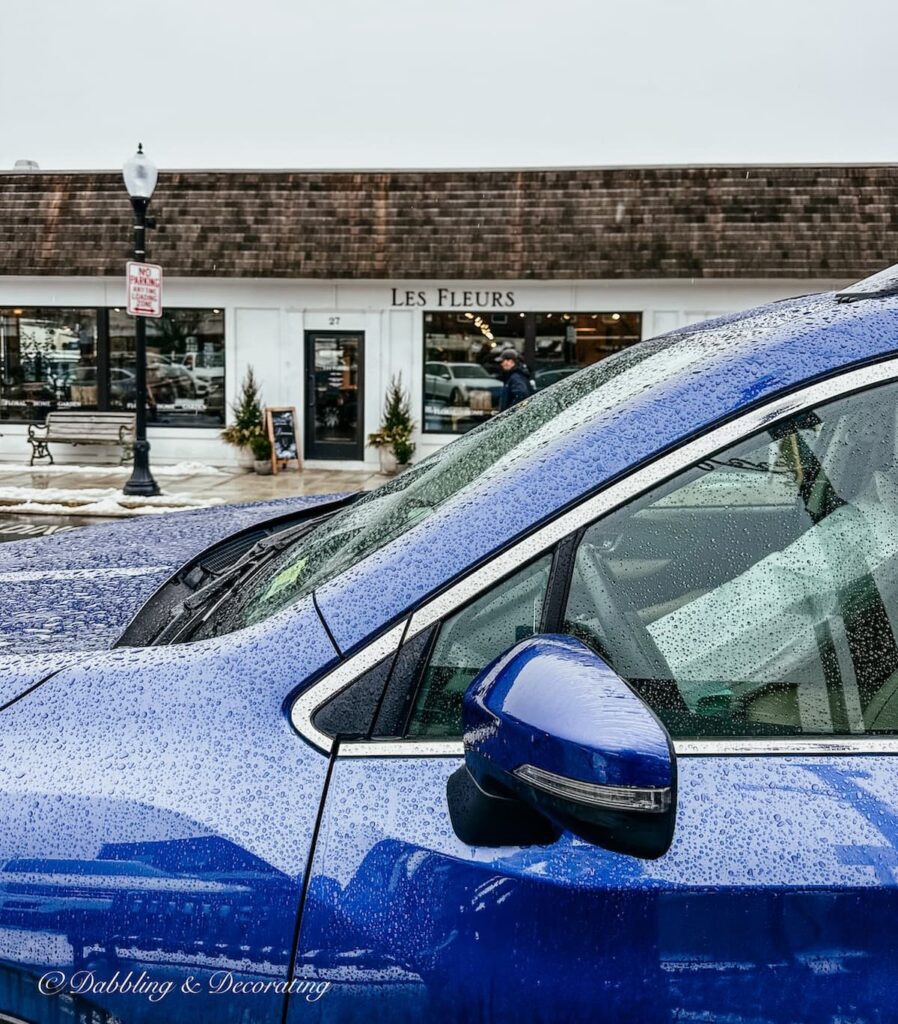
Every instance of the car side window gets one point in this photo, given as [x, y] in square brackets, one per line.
[757, 592]
[470, 639]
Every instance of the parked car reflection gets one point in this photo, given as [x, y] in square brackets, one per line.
[462, 384]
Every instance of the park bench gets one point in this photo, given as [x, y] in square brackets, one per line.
[67, 427]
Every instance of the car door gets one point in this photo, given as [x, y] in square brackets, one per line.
[746, 586]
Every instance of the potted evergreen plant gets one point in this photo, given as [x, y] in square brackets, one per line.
[393, 440]
[247, 423]
[261, 449]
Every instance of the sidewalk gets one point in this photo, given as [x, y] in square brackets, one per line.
[97, 490]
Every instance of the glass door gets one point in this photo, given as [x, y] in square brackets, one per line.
[334, 361]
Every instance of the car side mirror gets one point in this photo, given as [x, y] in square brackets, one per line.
[554, 739]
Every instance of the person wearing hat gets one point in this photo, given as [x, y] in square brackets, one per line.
[517, 381]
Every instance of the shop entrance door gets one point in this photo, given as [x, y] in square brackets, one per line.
[334, 361]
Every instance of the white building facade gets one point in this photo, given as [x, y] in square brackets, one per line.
[329, 285]
[273, 326]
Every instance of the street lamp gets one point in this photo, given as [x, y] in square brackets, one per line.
[140, 179]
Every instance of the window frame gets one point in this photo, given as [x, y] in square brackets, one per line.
[530, 321]
[390, 718]
[551, 614]
[694, 664]
[104, 366]
[563, 532]
[20, 313]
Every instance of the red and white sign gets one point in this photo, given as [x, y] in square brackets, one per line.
[144, 289]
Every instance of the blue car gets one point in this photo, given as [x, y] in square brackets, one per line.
[591, 716]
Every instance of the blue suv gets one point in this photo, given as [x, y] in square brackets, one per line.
[592, 715]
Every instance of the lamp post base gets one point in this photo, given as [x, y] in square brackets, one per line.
[141, 483]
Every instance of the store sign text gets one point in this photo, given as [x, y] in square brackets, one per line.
[452, 298]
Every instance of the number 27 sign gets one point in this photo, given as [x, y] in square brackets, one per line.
[144, 289]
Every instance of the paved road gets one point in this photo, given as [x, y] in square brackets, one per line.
[24, 527]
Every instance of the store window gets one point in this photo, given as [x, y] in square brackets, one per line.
[48, 360]
[566, 342]
[84, 359]
[185, 366]
[462, 379]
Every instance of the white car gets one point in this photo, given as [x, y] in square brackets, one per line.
[454, 383]
[206, 368]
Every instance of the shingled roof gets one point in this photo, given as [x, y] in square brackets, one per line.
[673, 222]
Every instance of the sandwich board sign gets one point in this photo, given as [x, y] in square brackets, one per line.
[144, 289]
[280, 422]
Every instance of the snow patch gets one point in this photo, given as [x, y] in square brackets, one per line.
[93, 501]
[178, 469]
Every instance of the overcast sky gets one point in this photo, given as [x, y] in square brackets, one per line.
[442, 83]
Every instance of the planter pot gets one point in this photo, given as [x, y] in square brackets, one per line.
[403, 467]
[245, 460]
[387, 461]
[263, 467]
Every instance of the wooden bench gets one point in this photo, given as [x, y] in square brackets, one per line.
[67, 427]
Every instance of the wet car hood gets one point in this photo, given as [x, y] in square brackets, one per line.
[76, 591]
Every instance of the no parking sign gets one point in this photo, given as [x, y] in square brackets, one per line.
[144, 289]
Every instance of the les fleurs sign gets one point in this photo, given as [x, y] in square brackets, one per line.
[144, 289]
[452, 298]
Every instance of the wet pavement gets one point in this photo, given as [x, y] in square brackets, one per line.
[67, 490]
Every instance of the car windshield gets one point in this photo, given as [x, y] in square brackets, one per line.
[468, 370]
[381, 516]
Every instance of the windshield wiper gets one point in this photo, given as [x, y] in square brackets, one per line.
[877, 286]
[203, 603]
[256, 556]
[734, 463]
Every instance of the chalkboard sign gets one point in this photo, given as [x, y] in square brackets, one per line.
[281, 422]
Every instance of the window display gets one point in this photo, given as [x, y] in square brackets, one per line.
[463, 379]
[48, 360]
[54, 358]
[185, 366]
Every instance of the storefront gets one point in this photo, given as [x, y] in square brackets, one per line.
[329, 323]
[333, 363]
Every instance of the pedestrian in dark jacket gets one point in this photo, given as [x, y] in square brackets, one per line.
[517, 381]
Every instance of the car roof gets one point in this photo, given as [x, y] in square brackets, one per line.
[711, 372]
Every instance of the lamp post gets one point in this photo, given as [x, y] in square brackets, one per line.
[140, 180]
